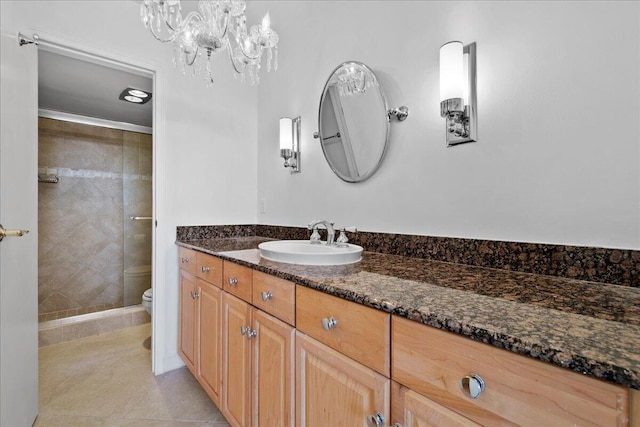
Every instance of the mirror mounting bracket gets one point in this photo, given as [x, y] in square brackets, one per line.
[400, 113]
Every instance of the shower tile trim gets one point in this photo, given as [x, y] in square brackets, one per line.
[605, 265]
[91, 173]
[84, 325]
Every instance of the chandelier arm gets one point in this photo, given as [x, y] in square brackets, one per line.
[245, 54]
[195, 56]
[192, 16]
[171, 38]
[225, 19]
[233, 61]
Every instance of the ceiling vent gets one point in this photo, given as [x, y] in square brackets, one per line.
[135, 96]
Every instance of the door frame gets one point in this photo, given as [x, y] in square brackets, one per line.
[136, 66]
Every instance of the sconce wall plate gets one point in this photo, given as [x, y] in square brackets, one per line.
[290, 143]
[461, 114]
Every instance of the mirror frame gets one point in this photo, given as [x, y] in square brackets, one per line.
[386, 118]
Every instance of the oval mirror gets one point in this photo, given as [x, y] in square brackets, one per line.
[353, 122]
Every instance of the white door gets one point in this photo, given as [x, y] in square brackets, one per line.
[18, 255]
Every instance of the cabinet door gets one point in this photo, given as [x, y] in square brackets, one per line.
[411, 409]
[273, 371]
[188, 315]
[333, 390]
[236, 366]
[210, 339]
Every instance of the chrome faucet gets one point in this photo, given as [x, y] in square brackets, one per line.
[331, 233]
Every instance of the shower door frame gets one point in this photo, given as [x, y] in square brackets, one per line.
[152, 71]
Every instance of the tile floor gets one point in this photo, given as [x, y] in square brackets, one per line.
[106, 381]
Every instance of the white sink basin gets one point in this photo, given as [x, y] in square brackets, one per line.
[303, 252]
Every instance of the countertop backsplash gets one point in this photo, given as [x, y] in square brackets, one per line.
[604, 265]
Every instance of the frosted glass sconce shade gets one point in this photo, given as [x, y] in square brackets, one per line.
[451, 71]
[458, 102]
[290, 143]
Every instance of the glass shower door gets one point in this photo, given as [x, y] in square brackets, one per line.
[137, 215]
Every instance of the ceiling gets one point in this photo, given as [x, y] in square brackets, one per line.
[88, 88]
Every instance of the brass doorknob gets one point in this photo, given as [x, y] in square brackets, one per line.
[11, 233]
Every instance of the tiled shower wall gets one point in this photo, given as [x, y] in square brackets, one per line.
[82, 218]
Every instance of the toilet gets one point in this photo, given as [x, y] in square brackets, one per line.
[147, 300]
[137, 279]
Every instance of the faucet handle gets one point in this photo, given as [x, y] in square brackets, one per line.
[342, 239]
[315, 236]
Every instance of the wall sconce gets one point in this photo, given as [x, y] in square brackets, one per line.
[290, 143]
[458, 101]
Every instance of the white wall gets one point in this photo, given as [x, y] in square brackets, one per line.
[558, 155]
[205, 139]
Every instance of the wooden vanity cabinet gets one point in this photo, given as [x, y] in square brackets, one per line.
[209, 338]
[236, 363]
[411, 409]
[360, 332]
[187, 334]
[335, 390]
[209, 268]
[187, 260]
[517, 390]
[237, 336]
[273, 371]
[275, 296]
[200, 331]
[238, 280]
[342, 361]
[258, 368]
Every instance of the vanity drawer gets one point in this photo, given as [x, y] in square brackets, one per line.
[209, 268]
[275, 296]
[517, 389]
[360, 332]
[187, 260]
[237, 280]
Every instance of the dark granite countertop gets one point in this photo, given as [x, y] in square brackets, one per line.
[588, 327]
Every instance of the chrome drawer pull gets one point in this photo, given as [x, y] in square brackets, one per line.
[247, 332]
[376, 420]
[472, 385]
[184, 260]
[266, 296]
[205, 269]
[232, 281]
[328, 324]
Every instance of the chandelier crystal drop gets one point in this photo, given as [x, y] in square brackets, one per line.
[215, 27]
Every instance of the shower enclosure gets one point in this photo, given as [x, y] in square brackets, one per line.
[137, 219]
[95, 227]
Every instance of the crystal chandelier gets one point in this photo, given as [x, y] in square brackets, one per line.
[352, 80]
[215, 27]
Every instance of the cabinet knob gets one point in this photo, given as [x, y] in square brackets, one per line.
[472, 385]
[328, 324]
[248, 332]
[376, 420]
[205, 269]
[266, 296]
[232, 281]
[195, 295]
[184, 260]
